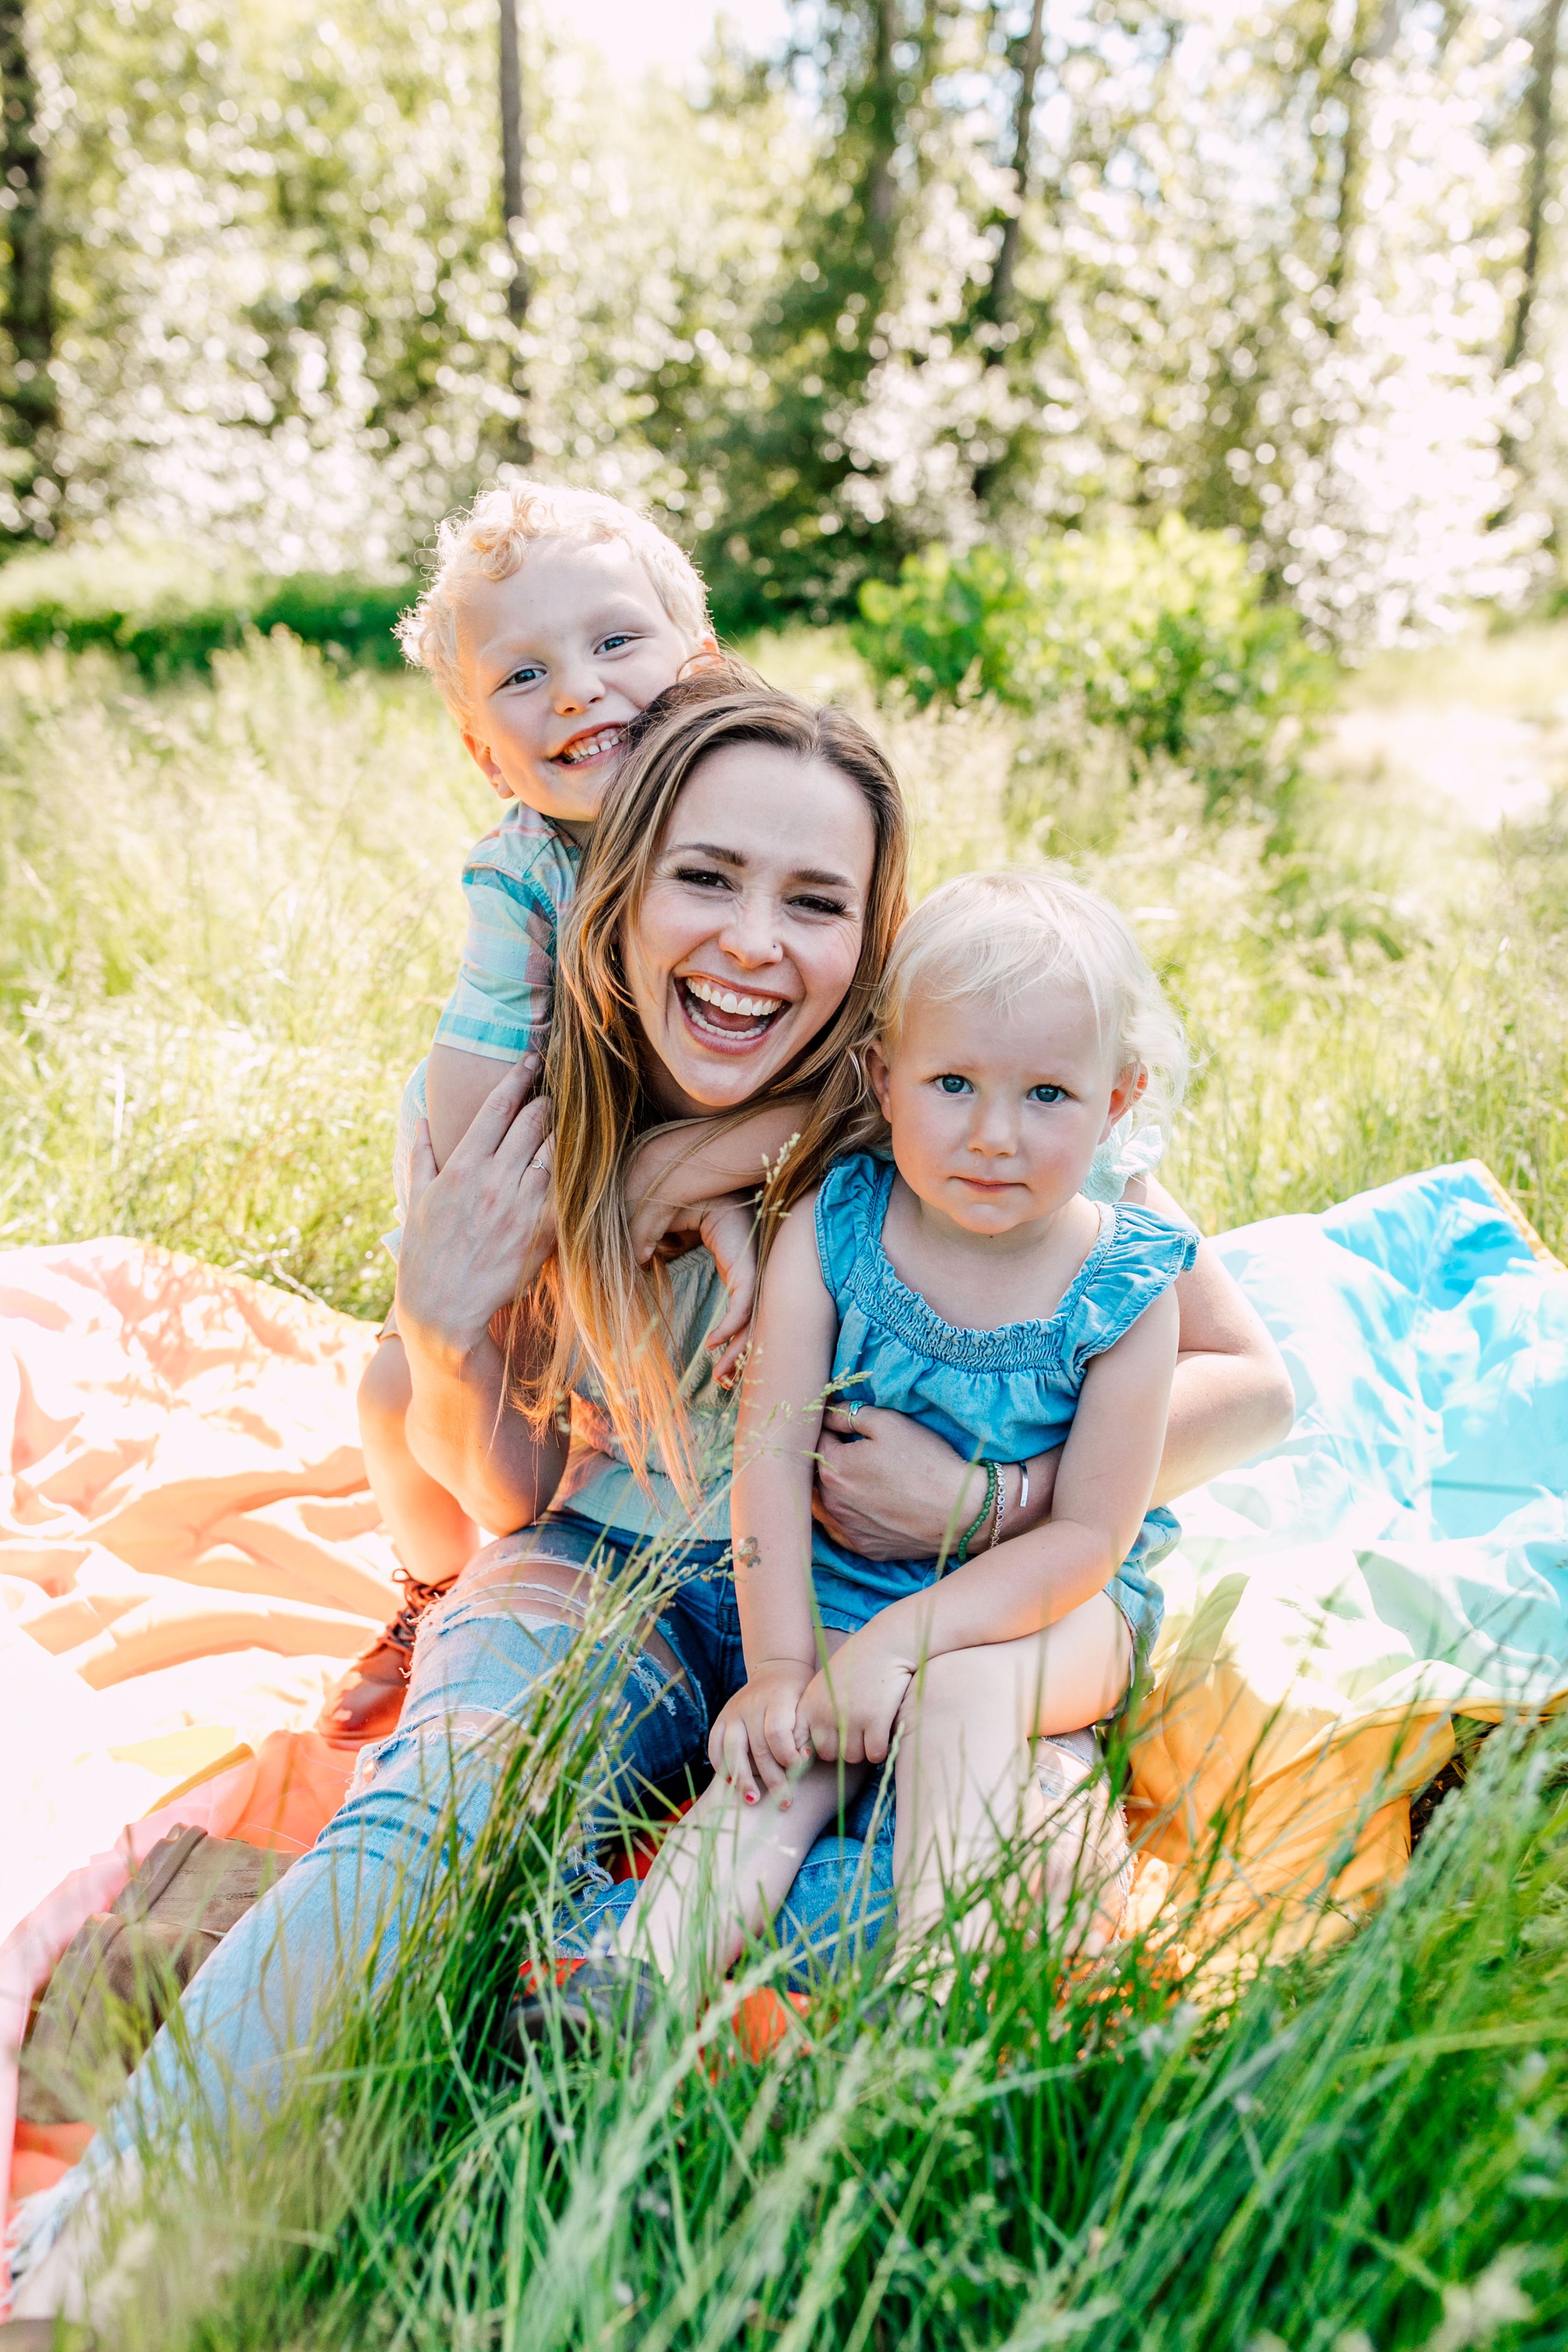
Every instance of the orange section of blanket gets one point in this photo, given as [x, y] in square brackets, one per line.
[192, 1426]
[184, 1476]
[189, 1549]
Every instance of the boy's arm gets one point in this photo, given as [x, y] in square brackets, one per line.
[770, 1503]
[456, 1086]
[516, 883]
[683, 1167]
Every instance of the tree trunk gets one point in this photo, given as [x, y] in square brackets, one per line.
[997, 305]
[1373, 36]
[29, 308]
[512, 202]
[882, 98]
[1540, 112]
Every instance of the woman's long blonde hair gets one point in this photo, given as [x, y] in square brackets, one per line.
[595, 1308]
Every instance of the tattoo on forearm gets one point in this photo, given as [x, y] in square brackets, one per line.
[748, 1552]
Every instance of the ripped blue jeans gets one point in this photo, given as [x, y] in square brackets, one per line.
[423, 1796]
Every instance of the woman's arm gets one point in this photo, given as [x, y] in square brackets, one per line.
[769, 1507]
[477, 1233]
[1231, 1396]
[897, 1489]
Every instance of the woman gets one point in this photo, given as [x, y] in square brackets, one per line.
[754, 852]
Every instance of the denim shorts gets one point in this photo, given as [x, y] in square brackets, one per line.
[699, 1620]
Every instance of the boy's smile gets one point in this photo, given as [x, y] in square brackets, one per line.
[557, 660]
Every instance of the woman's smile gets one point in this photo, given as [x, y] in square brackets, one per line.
[723, 1015]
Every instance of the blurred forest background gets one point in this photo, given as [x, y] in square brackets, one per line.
[946, 272]
[1112, 401]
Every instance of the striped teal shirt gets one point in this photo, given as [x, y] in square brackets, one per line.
[516, 881]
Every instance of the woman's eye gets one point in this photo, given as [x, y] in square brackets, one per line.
[1047, 1094]
[949, 1085]
[705, 877]
[810, 906]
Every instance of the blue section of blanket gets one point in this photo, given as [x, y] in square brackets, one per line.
[1427, 1341]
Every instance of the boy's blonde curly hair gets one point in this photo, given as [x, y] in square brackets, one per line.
[491, 540]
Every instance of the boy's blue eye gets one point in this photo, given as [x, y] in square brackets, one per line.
[950, 1084]
[522, 677]
[1047, 1094]
[610, 645]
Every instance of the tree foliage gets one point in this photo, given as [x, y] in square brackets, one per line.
[947, 270]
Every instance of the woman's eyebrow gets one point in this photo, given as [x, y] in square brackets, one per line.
[720, 856]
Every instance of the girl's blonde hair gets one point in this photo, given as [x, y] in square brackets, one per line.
[986, 937]
[596, 1305]
[491, 540]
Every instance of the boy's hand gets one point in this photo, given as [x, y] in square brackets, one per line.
[729, 1228]
[662, 1194]
[850, 1708]
[754, 1736]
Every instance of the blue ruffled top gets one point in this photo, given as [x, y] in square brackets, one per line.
[1002, 1395]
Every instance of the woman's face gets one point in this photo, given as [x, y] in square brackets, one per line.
[749, 932]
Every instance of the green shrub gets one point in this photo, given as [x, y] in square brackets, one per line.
[1162, 635]
[171, 609]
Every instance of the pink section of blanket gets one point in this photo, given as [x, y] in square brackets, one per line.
[189, 1553]
[191, 1424]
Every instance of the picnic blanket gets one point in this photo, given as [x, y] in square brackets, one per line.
[189, 1551]
[1402, 1559]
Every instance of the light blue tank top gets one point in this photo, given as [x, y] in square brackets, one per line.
[1001, 1395]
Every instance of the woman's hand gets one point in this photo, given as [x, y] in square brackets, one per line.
[848, 1708]
[754, 1737]
[897, 1491]
[477, 1231]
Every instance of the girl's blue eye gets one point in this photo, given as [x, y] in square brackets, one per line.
[610, 645]
[950, 1084]
[1047, 1094]
[522, 677]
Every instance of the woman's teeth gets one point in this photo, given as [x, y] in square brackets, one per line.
[728, 1001]
[724, 1012]
[588, 747]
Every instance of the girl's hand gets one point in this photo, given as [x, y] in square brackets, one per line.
[477, 1231]
[754, 1736]
[850, 1708]
[897, 1491]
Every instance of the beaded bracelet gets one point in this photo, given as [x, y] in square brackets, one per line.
[993, 1481]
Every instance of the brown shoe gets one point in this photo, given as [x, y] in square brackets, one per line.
[367, 1702]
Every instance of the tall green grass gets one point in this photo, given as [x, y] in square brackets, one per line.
[228, 912]
[1362, 2148]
